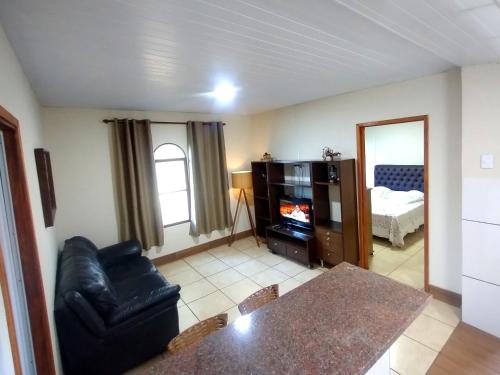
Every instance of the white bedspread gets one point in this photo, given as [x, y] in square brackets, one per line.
[396, 213]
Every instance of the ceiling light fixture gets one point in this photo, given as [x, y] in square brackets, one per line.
[224, 92]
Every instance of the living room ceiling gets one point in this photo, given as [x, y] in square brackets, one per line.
[164, 55]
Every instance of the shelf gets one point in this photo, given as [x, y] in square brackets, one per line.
[290, 184]
[327, 183]
[334, 226]
[263, 218]
[261, 197]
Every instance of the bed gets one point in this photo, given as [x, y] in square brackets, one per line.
[397, 201]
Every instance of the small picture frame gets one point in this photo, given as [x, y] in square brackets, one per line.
[44, 170]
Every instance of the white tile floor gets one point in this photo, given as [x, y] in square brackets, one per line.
[405, 265]
[217, 280]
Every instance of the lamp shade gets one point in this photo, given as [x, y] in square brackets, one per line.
[242, 179]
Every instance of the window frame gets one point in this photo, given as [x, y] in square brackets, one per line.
[186, 176]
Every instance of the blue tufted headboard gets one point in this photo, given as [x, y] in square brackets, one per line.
[400, 177]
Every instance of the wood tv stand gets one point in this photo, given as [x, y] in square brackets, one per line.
[331, 185]
[292, 243]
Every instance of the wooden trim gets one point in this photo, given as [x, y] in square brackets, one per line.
[447, 296]
[426, 204]
[361, 167]
[7, 121]
[200, 248]
[30, 263]
[10, 316]
[360, 140]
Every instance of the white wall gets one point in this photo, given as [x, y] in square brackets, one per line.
[301, 131]
[481, 197]
[400, 144]
[481, 119]
[81, 161]
[17, 97]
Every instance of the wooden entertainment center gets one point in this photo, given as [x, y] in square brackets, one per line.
[331, 186]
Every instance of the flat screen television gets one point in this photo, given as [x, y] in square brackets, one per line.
[296, 212]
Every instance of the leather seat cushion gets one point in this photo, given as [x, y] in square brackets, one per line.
[138, 287]
[130, 269]
[139, 293]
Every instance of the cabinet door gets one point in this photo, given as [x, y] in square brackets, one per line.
[331, 247]
[298, 253]
[276, 245]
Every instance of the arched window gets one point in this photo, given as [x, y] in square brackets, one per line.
[171, 175]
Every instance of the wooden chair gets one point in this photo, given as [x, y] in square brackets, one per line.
[196, 333]
[258, 299]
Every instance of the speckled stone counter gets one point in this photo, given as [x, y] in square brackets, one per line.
[341, 322]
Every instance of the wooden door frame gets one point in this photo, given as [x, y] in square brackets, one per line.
[360, 139]
[26, 238]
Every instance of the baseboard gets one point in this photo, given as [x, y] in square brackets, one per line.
[200, 248]
[446, 296]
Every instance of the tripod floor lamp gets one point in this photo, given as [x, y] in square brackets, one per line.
[242, 180]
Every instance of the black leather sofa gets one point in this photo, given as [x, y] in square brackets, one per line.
[113, 309]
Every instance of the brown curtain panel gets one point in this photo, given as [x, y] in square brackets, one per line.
[209, 178]
[139, 213]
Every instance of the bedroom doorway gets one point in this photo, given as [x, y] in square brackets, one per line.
[393, 198]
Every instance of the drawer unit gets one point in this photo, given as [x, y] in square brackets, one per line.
[296, 245]
[332, 256]
[276, 245]
[330, 246]
[298, 253]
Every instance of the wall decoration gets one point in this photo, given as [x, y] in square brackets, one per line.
[329, 155]
[266, 157]
[44, 170]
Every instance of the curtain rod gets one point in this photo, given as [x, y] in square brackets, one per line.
[108, 121]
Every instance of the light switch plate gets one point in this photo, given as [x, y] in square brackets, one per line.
[486, 161]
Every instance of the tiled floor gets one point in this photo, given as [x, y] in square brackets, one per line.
[405, 265]
[217, 280]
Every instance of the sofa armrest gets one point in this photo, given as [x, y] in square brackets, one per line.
[87, 314]
[121, 252]
[135, 306]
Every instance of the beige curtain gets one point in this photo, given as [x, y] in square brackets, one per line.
[139, 213]
[209, 179]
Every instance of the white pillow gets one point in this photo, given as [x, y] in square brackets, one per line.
[405, 197]
[415, 196]
[380, 192]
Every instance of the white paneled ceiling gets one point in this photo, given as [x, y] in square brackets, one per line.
[163, 54]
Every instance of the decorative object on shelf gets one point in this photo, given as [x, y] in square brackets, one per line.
[44, 170]
[330, 155]
[266, 157]
[332, 174]
[327, 154]
[242, 180]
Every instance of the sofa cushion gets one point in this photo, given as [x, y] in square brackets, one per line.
[82, 272]
[140, 293]
[130, 269]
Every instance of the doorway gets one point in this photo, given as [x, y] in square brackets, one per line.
[37, 357]
[393, 197]
[19, 332]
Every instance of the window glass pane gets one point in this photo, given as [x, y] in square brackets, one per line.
[174, 207]
[169, 151]
[171, 176]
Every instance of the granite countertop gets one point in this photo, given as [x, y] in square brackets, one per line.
[341, 322]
